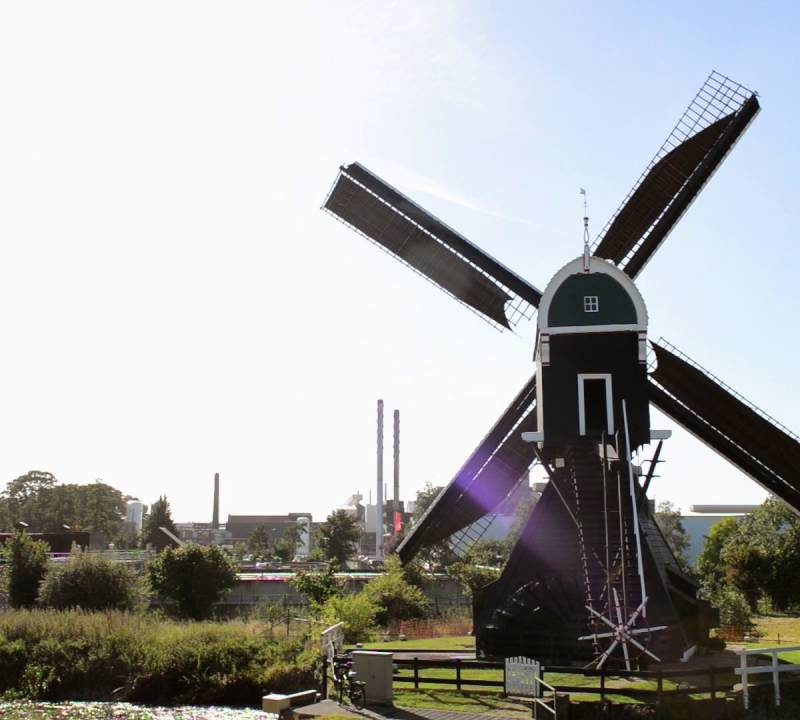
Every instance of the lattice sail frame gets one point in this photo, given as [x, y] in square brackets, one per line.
[719, 96]
[652, 364]
[516, 309]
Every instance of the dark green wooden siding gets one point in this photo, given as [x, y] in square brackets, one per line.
[615, 304]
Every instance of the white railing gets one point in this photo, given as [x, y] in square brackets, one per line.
[523, 678]
[539, 699]
[775, 668]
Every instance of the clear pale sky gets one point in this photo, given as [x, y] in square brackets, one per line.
[174, 303]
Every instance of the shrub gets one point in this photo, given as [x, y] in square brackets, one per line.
[91, 582]
[357, 612]
[734, 609]
[194, 576]
[395, 598]
[318, 587]
[27, 560]
[473, 577]
[76, 655]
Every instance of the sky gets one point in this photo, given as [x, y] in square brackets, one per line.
[174, 303]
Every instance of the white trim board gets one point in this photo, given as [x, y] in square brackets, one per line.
[582, 401]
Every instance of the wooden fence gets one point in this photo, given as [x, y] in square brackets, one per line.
[717, 680]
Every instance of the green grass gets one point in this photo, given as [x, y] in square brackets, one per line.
[458, 643]
[478, 702]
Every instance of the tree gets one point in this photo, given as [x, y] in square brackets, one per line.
[91, 582]
[357, 612]
[259, 543]
[489, 553]
[27, 559]
[37, 499]
[159, 516]
[710, 567]
[438, 556]
[395, 597]
[758, 555]
[193, 576]
[318, 587]
[668, 519]
[24, 499]
[286, 545]
[337, 537]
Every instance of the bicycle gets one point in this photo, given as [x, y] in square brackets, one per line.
[345, 682]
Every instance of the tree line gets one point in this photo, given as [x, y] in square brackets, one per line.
[47, 506]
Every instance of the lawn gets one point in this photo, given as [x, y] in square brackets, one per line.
[457, 643]
[777, 630]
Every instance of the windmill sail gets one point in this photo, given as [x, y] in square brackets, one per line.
[388, 218]
[711, 125]
[734, 427]
[485, 479]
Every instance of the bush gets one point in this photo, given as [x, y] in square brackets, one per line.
[318, 587]
[357, 612]
[93, 583]
[734, 609]
[473, 577]
[194, 576]
[395, 598]
[27, 559]
[76, 655]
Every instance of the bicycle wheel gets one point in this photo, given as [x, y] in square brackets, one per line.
[358, 695]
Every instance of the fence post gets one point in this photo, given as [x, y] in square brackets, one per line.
[505, 686]
[745, 691]
[416, 675]
[713, 681]
[660, 686]
[776, 681]
[561, 706]
[602, 684]
[458, 674]
[324, 677]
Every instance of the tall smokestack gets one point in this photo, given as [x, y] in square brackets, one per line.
[397, 461]
[379, 501]
[215, 515]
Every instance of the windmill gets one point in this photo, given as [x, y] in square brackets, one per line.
[591, 579]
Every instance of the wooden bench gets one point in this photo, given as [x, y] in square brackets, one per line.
[277, 702]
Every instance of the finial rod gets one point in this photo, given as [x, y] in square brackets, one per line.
[586, 256]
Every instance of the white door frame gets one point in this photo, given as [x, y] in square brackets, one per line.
[582, 401]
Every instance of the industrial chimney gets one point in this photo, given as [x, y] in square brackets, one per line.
[379, 501]
[396, 506]
[215, 515]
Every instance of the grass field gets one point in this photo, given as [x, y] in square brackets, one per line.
[457, 643]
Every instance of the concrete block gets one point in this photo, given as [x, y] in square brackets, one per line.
[275, 703]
